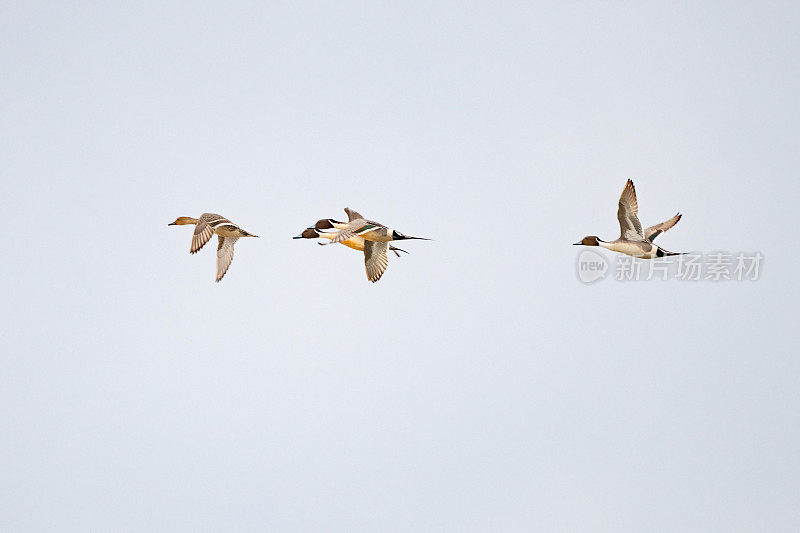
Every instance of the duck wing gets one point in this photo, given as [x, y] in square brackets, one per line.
[375, 259]
[224, 254]
[205, 229]
[355, 227]
[654, 231]
[352, 215]
[628, 214]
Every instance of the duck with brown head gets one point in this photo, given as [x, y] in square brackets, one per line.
[208, 225]
[368, 230]
[633, 239]
[356, 243]
[360, 234]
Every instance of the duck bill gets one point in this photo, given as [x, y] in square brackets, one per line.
[172, 224]
[406, 238]
[576, 243]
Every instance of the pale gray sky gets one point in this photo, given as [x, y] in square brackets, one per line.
[479, 386]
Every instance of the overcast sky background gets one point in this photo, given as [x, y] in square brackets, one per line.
[479, 386]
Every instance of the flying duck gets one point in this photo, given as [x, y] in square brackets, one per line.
[227, 234]
[633, 240]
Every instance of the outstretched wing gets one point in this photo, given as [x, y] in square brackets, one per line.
[205, 229]
[375, 259]
[628, 214]
[224, 255]
[654, 231]
[351, 215]
[358, 226]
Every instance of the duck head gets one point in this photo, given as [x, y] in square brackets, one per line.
[308, 233]
[590, 240]
[182, 221]
[326, 223]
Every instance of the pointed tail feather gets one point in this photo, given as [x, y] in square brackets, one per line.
[662, 252]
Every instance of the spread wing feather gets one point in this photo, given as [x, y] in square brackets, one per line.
[224, 255]
[375, 259]
[628, 214]
[353, 228]
[352, 215]
[654, 231]
[204, 230]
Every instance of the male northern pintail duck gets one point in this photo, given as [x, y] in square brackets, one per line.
[633, 240]
[368, 230]
[359, 233]
[227, 234]
[317, 232]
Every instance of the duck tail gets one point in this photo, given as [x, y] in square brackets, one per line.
[660, 252]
